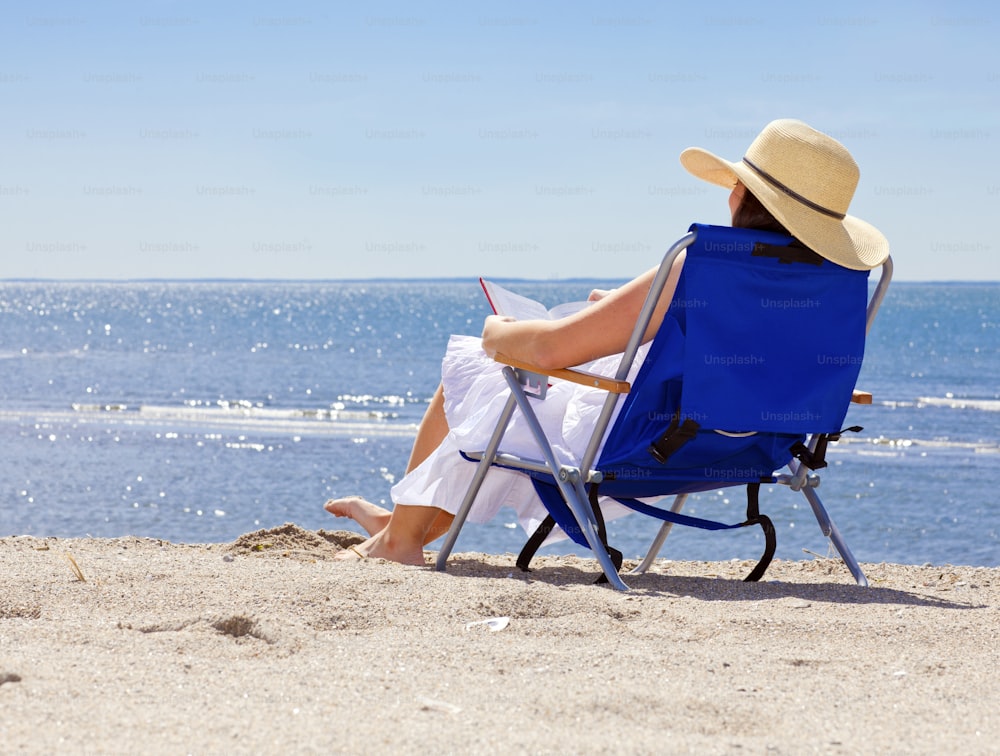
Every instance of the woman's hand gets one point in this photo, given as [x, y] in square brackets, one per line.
[596, 295]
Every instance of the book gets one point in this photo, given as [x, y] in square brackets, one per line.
[506, 302]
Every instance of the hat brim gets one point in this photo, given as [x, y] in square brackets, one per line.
[851, 242]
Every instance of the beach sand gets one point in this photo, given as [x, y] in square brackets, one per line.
[264, 645]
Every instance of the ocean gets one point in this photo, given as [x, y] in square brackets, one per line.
[198, 411]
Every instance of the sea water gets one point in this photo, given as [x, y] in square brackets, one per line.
[198, 411]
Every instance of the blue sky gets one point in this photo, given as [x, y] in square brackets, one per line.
[314, 140]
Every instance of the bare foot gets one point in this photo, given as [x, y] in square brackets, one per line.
[371, 517]
[380, 546]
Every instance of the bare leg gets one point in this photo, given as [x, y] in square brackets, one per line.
[433, 428]
[369, 516]
[410, 528]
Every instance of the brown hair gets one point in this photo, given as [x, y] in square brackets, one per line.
[752, 214]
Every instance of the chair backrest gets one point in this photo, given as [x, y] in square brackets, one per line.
[763, 341]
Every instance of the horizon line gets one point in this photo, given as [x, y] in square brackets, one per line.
[403, 279]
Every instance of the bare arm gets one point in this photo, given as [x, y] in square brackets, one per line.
[600, 329]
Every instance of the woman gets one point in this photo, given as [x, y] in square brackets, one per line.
[793, 179]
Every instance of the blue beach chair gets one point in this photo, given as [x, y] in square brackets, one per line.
[751, 372]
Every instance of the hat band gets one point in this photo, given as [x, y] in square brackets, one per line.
[793, 194]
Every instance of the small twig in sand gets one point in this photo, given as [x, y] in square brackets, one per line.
[818, 556]
[76, 568]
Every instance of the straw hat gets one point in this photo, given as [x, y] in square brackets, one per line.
[806, 179]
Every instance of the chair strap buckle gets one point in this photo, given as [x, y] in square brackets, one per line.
[674, 437]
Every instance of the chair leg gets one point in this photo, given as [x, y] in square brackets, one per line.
[477, 481]
[661, 536]
[579, 504]
[569, 484]
[830, 531]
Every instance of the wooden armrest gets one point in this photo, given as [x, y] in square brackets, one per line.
[570, 374]
[861, 397]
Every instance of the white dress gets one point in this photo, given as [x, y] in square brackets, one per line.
[475, 393]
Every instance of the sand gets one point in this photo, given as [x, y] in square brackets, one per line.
[266, 646]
